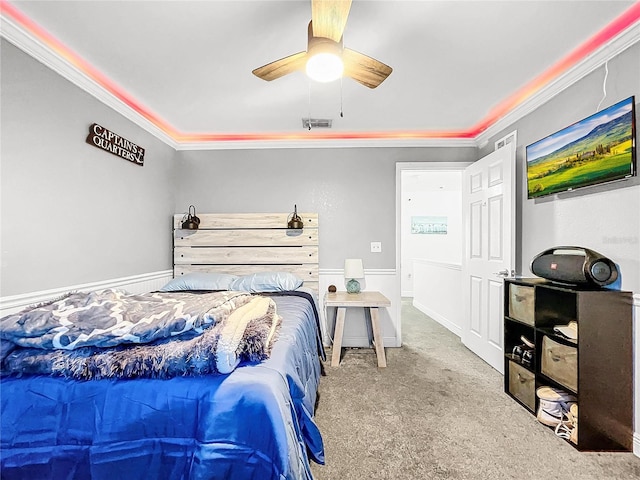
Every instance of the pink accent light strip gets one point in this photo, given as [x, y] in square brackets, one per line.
[74, 59]
[624, 21]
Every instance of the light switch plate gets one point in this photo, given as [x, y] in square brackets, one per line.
[376, 247]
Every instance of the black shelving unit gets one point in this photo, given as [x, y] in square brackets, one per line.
[602, 377]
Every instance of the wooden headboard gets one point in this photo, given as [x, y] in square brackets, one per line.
[244, 243]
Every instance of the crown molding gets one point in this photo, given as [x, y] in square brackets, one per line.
[22, 39]
[330, 143]
[32, 46]
[621, 42]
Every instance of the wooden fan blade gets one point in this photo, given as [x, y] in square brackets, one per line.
[281, 67]
[365, 70]
[329, 18]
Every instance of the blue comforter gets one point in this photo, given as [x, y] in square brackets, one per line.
[255, 423]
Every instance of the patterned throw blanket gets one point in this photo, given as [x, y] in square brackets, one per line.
[110, 334]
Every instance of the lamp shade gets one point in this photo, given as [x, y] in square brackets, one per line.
[353, 268]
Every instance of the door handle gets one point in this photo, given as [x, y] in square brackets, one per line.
[505, 273]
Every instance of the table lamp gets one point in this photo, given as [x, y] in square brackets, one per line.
[353, 269]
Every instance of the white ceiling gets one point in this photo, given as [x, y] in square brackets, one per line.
[189, 62]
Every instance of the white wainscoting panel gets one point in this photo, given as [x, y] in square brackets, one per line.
[356, 330]
[437, 292]
[146, 282]
[636, 373]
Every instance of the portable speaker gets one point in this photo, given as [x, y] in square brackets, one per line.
[574, 265]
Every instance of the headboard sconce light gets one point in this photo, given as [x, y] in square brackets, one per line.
[294, 222]
[189, 221]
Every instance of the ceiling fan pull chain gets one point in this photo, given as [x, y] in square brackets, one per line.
[309, 106]
[341, 114]
[341, 95]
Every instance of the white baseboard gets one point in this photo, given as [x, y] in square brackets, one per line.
[636, 444]
[449, 325]
[146, 282]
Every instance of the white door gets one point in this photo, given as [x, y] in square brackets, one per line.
[488, 203]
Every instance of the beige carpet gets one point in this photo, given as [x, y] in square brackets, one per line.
[439, 412]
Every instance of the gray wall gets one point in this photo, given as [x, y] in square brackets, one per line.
[604, 218]
[352, 189]
[71, 213]
[65, 204]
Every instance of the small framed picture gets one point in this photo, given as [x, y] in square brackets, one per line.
[429, 225]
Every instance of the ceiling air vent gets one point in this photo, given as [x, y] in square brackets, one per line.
[316, 123]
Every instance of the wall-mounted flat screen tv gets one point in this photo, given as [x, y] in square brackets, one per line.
[598, 149]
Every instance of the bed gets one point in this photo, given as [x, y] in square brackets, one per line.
[254, 422]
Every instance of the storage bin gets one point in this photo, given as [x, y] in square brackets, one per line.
[522, 385]
[521, 303]
[560, 363]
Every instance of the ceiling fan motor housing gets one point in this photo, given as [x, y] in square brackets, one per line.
[317, 45]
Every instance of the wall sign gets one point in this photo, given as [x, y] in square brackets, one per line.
[113, 143]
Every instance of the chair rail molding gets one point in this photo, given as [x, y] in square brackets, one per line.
[146, 282]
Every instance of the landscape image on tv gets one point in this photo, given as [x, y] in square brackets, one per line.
[598, 149]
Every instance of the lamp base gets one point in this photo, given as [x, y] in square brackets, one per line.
[353, 286]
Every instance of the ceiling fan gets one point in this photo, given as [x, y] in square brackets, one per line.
[325, 51]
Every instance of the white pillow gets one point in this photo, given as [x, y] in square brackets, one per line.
[200, 281]
[266, 282]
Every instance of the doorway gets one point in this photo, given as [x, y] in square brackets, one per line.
[429, 238]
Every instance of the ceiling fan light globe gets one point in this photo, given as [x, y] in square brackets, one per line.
[324, 67]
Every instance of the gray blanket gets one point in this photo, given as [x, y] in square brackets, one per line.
[236, 327]
[112, 317]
